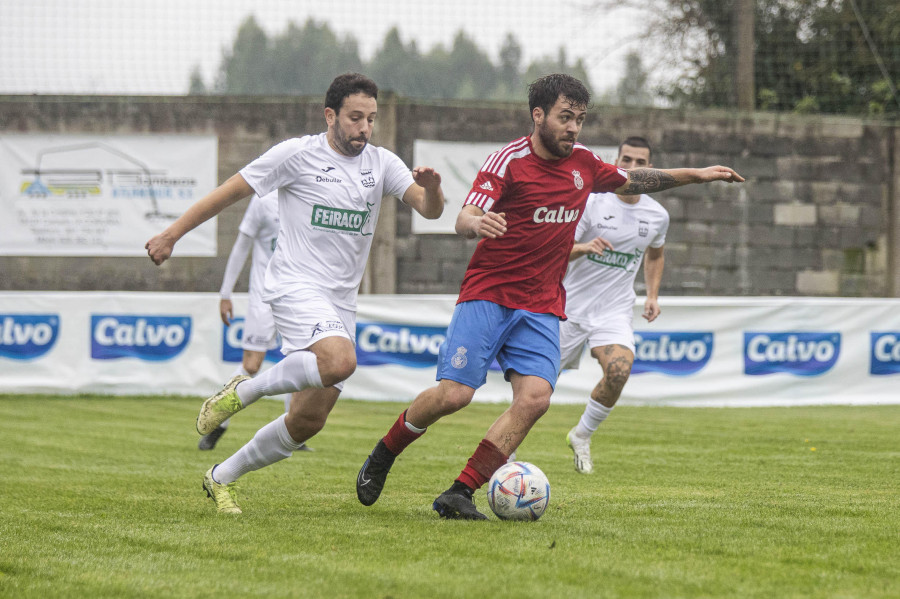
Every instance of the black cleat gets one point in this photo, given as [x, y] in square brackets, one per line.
[457, 504]
[209, 441]
[371, 477]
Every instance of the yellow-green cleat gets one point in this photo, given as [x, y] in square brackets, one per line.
[220, 407]
[222, 495]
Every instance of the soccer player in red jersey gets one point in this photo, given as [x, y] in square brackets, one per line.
[524, 205]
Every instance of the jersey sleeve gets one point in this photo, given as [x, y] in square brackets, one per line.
[251, 222]
[488, 185]
[607, 177]
[397, 176]
[235, 264]
[660, 239]
[272, 170]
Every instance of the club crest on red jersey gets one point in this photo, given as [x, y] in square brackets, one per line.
[579, 182]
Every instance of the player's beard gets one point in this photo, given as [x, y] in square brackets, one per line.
[343, 142]
[554, 144]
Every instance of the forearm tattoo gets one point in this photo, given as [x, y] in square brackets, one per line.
[647, 180]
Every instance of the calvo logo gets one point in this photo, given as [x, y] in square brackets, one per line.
[414, 346]
[802, 353]
[27, 336]
[152, 338]
[885, 353]
[232, 336]
[675, 353]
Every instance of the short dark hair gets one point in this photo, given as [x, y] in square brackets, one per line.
[347, 85]
[635, 142]
[545, 91]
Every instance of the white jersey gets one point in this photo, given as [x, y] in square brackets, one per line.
[260, 223]
[600, 286]
[328, 204]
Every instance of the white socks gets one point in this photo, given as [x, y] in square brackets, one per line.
[594, 415]
[271, 444]
[296, 371]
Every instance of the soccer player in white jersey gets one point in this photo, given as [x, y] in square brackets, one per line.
[257, 236]
[330, 188]
[615, 234]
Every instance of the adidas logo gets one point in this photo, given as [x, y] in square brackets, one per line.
[487, 186]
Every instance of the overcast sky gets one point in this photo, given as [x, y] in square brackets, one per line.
[144, 47]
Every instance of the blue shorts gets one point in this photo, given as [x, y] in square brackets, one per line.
[480, 331]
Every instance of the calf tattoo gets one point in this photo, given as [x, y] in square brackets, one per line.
[647, 180]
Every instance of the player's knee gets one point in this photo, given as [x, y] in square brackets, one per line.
[251, 369]
[455, 398]
[337, 368]
[534, 405]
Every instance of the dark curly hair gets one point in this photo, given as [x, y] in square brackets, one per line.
[545, 91]
[347, 85]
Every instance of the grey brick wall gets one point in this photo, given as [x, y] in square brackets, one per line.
[818, 215]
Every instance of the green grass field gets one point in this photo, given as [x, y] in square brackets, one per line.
[102, 497]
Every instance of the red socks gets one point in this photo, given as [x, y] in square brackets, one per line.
[482, 465]
[400, 437]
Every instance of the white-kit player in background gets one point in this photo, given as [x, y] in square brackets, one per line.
[257, 236]
[615, 234]
[330, 187]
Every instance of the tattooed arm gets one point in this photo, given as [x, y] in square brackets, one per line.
[649, 180]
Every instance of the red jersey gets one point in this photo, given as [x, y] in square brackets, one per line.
[543, 201]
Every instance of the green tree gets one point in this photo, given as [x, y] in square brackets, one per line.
[510, 69]
[244, 69]
[471, 68]
[548, 65]
[810, 55]
[632, 88]
[196, 87]
[305, 60]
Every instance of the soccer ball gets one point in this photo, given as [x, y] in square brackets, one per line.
[518, 491]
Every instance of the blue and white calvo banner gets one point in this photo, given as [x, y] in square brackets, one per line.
[102, 195]
[699, 352]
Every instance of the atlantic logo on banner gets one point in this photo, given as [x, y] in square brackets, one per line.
[152, 338]
[802, 353]
[382, 343]
[673, 353]
[231, 343]
[885, 357]
[27, 336]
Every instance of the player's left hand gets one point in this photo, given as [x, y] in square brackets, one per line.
[718, 173]
[426, 177]
[651, 310]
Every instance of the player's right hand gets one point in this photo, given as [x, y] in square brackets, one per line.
[597, 245]
[226, 311]
[491, 225]
[159, 248]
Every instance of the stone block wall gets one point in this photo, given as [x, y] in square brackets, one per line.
[818, 215]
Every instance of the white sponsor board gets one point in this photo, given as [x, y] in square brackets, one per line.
[93, 195]
[458, 162]
[700, 352]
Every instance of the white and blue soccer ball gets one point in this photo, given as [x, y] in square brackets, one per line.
[518, 491]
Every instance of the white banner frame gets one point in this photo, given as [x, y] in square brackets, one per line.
[102, 195]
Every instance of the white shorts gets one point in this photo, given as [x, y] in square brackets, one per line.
[615, 330]
[259, 327]
[306, 316]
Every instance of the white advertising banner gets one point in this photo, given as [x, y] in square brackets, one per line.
[93, 195]
[458, 162]
[700, 352]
